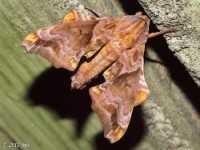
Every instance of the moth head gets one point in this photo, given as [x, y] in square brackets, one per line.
[132, 29]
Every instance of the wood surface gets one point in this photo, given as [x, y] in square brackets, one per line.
[39, 110]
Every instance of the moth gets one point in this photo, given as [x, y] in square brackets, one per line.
[114, 47]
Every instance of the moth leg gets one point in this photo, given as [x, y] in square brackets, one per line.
[161, 32]
[96, 13]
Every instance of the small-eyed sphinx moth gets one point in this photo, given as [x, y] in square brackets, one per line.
[116, 46]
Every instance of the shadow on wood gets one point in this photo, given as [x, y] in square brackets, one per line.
[131, 7]
[178, 72]
[52, 89]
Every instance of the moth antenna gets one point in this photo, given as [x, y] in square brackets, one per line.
[161, 32]
[97, 14]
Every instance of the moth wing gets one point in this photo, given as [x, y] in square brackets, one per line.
[75, 16]
[125, 87]
[62, 44]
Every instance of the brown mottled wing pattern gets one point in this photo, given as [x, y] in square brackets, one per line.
[118, 45]
[62, 44]
[120, 37]
[125, 87]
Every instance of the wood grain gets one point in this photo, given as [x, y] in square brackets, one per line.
[31, 113]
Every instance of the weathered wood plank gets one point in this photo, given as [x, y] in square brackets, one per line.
[48, 115]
